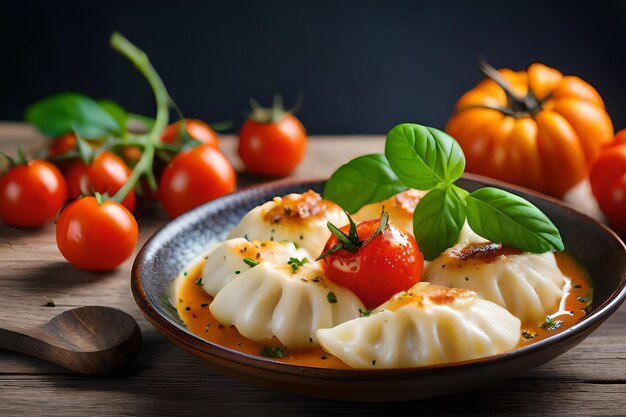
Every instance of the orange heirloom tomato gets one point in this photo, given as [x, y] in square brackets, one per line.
[608, 182]
[536, 128]
[96, 236]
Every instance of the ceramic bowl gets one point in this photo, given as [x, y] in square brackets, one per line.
[595, 247]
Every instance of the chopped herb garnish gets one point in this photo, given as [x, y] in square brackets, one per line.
[237, 272]
[528, 335]
[185, 273]
[551, 324]
[273, 352]
[404, 295]
[199, 282]
[250, 262]
[297, 263]
[365, 312]
[582, 299]
[332, 298]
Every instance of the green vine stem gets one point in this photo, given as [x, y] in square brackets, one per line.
[162, 98]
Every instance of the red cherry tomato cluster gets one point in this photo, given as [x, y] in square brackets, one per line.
[94, 231]
[100, 167]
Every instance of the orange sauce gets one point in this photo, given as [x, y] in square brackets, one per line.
[193, 303]
[574, 303]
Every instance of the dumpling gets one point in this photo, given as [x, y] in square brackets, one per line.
[273, 299]
[299, 218]
[427, 325]
[225, 261]
[400, 208]
[529, 285]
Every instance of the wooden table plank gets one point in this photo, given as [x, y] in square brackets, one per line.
[588, 380]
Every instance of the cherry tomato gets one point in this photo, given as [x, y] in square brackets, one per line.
[197, 129]
[62, 145]
[106, 174]
[389, 263]
[96, 236]
[608, 182]
[195, 177]
[31, 194]
[272, 148]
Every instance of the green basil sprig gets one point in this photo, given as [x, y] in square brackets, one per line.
[428, 159]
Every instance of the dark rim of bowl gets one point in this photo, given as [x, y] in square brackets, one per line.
[181, 333]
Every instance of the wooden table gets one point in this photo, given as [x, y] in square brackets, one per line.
[589, 380]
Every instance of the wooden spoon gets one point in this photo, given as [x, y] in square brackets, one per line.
[90, 340]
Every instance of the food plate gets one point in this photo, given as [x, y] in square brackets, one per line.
[594, 246]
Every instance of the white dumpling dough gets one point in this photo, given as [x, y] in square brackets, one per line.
[427, 325]
[271, 299]
[529, 285]
[400, 208]
[225, 261]
[299, 218]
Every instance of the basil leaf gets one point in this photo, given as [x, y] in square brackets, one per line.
[505, 218]
[65, 112]
[438, 220]
[423, 157]
[366, 179]
[117, 112]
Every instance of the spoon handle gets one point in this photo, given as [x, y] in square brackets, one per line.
[22, 342]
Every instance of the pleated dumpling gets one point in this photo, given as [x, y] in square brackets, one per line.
[227, 259]
[427, 325]
[529, 285]
[299, 218]
[277, 299]
[400, 208]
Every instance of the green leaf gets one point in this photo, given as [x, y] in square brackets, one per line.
[505, 218]
[65, 112]
[438, 220]
[366, 179]
[117, 112]
[423, 157]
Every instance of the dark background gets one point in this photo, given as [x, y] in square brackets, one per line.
[363, 66]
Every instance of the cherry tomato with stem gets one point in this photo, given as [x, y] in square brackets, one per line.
[96, 235]
[193, 128]
[31, 194]
[195, 177]
[107, 173]
[374, 259]
[272, 141]
[62, 145]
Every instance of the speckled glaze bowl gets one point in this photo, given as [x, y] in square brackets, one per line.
[595, 247]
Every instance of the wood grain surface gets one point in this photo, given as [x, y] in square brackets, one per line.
[589, 380]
